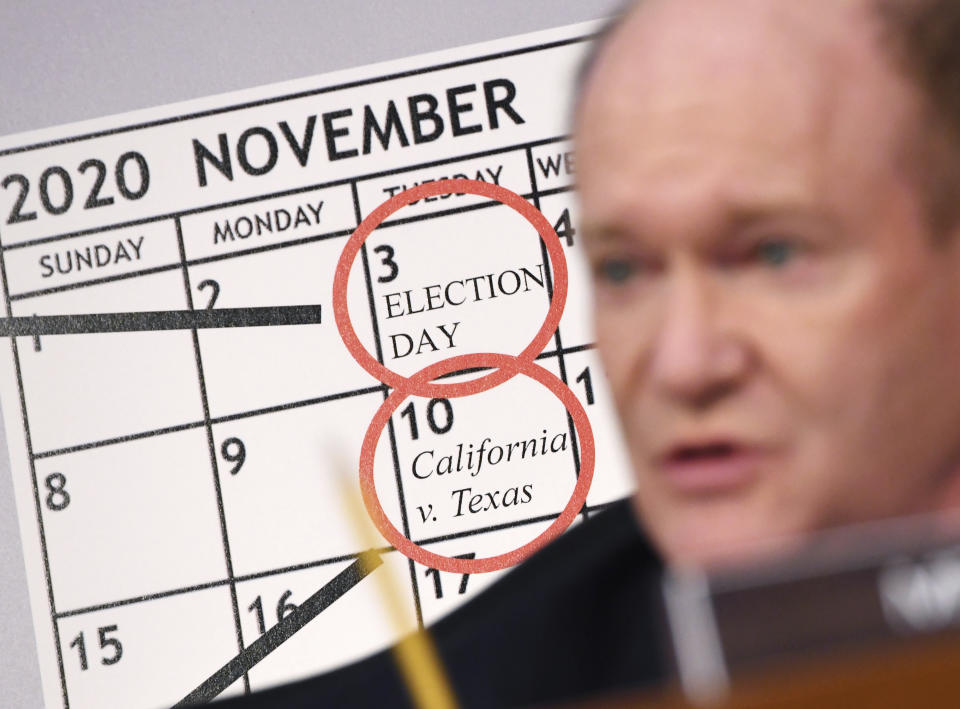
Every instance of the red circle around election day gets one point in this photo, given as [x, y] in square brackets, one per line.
[425, 387]
[506, 363]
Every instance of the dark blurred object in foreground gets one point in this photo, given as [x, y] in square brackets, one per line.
[868, 617]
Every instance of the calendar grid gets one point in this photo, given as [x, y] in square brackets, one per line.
[94, 282]
[242, 578]
[149, 552]
[216, 420]
[258, 249]
[119, 439]
[358, 213]
[231, 580]
[558, 341]
[44, 552]
[201, 380]
[146, 597]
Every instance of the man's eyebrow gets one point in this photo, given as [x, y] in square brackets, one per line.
[734, 219]
[742, 216]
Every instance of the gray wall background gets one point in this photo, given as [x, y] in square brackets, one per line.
[69, 61]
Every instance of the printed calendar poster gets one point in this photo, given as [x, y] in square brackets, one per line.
[199, 342]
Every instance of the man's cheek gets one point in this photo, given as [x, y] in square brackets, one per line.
[814, 362]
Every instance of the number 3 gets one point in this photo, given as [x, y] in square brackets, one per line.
[388, 254]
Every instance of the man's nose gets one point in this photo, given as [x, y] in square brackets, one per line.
[698, 355]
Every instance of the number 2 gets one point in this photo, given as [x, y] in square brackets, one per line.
[17, 214]
[215, 291]
[94, 199]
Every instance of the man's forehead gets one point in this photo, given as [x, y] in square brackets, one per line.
[663, 40]
[812, 17]
[782, 90]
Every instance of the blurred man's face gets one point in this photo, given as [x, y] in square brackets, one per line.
[781, 331]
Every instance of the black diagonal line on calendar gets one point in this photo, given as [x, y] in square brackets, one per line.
[284, 630]
[37, 325]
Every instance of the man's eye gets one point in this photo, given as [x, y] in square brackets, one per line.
[615, 271]
[776, 253]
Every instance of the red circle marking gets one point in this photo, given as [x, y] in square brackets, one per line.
[418, 385]
[505, 363]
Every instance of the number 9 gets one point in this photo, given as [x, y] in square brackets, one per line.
[233, 451]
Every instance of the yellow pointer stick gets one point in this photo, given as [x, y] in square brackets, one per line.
[415, 655]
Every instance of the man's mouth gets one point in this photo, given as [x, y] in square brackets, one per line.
[710, 467]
